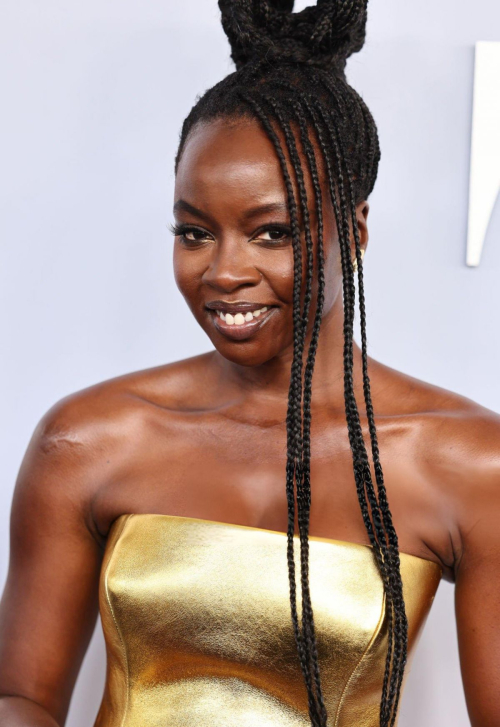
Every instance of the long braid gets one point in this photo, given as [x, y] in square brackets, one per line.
[353, 419]
[309, 368]
[402, 625]
[393, 554]
[308, 618]
[290, 73]
[294, 453]
[401, 644]
[351, 397]
[363, 479]
[373, 501]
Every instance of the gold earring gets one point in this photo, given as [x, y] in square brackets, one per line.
[355, 261]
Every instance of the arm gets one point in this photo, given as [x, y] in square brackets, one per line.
[477, 573]
[50, 601]
[21, 712]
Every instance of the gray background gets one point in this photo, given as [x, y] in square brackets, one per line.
[93, 98]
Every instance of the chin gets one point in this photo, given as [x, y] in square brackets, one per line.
[244, 354]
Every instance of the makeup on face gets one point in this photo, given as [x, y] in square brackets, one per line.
[239, 320]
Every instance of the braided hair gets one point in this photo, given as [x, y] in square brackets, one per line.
[290, 77]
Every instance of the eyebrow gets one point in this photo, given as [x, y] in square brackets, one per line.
[263, 208]
[183, 206]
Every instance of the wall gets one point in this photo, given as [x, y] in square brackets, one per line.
[94, 95]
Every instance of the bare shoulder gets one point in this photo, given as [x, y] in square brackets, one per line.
[83, 440]
[456, 447]
[105, 411]
[403, 393]
[106, 414]
[450, 428]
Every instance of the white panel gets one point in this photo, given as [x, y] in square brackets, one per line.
[485, 148]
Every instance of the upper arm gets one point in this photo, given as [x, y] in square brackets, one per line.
[50, 600]
[477, 590]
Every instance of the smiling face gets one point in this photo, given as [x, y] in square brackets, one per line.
[233, 255]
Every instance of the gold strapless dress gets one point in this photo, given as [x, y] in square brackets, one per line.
[196, 619]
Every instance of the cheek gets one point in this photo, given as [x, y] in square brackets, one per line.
[281, 274]
[187, 274]
[278, 272]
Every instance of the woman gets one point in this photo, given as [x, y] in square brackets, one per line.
[159, 495]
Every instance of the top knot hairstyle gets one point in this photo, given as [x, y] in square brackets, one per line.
[290, 79]
[323, 35]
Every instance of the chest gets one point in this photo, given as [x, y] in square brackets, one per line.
[203, 614]
[230, 467]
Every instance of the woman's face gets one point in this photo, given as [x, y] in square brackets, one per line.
[233, 255]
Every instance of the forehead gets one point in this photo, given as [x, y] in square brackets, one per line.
[229, 160]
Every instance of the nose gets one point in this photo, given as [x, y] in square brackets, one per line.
[230, 267]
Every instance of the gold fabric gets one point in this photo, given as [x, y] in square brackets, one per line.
[196, 618]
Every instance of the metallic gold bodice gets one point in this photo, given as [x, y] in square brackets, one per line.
[196, 618]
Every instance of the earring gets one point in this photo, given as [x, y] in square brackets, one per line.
[355, 261]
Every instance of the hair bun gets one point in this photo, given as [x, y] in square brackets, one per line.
[324, 35]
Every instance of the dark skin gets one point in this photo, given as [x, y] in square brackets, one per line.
[181, 439]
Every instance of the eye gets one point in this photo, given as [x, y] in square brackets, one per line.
[274, 235]
[188, 233]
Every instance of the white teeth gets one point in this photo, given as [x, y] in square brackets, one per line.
[240, 318]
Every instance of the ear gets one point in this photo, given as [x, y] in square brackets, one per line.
[362, 210]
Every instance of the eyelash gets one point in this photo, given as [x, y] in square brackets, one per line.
[181, 230]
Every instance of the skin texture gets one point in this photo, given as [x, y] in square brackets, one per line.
[182, 438]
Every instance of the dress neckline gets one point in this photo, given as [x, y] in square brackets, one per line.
[280, 533]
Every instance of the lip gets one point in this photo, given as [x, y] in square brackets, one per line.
[237, 306]
[245, 330]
